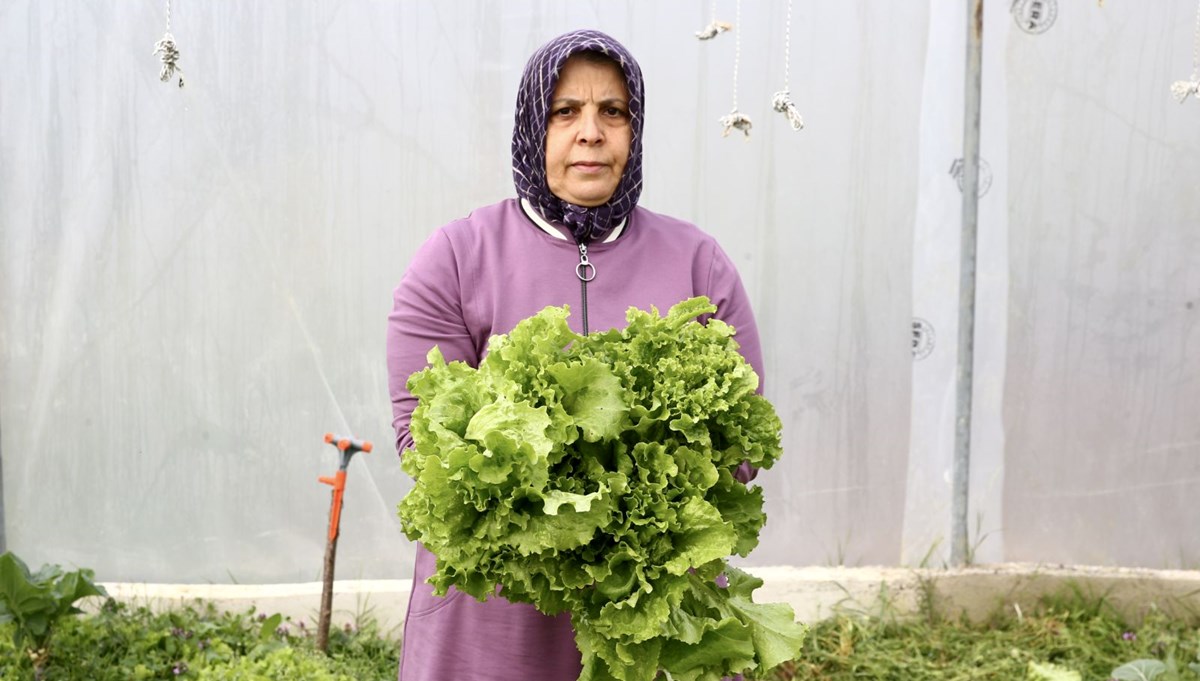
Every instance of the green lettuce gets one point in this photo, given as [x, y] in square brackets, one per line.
[595, 475]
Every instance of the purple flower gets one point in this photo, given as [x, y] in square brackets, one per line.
[281, 631]
[1129, 636]
[202, 644]
[722, 581]
[179, 668]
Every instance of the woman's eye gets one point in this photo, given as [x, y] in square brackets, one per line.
[565, 111]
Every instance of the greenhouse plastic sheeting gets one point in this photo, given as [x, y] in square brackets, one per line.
[194, 281]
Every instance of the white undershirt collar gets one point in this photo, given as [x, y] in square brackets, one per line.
[554, 232]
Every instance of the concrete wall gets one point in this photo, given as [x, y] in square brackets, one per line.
[814, 593]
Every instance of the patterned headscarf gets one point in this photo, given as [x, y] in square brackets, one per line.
[529, 135]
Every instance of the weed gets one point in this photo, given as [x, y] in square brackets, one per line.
[1071, 633]
[35, 603]
[122, 642]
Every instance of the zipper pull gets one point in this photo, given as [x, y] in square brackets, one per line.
[585, 270]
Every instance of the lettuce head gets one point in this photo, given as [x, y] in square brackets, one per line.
[595, 475]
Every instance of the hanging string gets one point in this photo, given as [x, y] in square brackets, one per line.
[736, 120]
[170, 53]
[1182, 88]
[714, 27]
[782, 101]
[737, 51]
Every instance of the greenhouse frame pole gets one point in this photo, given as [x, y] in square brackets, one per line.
[959, 549]
[3, 537]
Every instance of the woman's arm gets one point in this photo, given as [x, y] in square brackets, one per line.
[427, 310]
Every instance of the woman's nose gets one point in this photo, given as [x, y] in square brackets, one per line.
[589, 128]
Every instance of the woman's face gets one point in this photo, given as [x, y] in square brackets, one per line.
[588, 132]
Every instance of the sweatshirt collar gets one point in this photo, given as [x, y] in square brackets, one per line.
[556, 232]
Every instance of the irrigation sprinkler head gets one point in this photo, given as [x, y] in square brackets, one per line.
[348, 446]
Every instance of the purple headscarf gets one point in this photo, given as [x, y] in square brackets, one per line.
[529, 135]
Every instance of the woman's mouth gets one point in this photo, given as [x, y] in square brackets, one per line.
[588, 166]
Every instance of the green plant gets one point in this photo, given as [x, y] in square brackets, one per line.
[1071, 635]
[1152, 670]
[979, 537]
[122, 642]
[596, 475]
[928, 557]
[928, 606]
[35, 602]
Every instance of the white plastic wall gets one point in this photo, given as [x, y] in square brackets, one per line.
[194, 281]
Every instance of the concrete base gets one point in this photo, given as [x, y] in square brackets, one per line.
[976, 593]
[814, 592]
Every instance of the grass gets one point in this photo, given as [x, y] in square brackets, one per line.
[1073, 632]
[121, 643]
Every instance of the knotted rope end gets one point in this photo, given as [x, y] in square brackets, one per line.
[170, 58]
[782, 102]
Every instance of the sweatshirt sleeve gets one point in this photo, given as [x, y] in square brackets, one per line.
[725, 290]
[427, 310]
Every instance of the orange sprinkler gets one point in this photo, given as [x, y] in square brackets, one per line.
[347, 446]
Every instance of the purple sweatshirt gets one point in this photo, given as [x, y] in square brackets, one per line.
[479, 276]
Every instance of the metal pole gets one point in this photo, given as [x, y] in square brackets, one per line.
[959, 549]
[3, 537]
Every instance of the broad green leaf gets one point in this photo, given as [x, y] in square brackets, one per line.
[269, 625]
[773, 628]
[726, 648]
[702, 537]
[741, 507]
[556, 532]
[37, 624]
[593, 397]
[555, 499]
[1139, 670]
[74, 586]
[507, 428]
[16, 588]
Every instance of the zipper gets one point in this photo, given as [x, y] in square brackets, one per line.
[586, 272]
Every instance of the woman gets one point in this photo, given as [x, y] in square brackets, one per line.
[575, 236]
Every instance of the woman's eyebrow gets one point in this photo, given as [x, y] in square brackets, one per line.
[570, 101]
